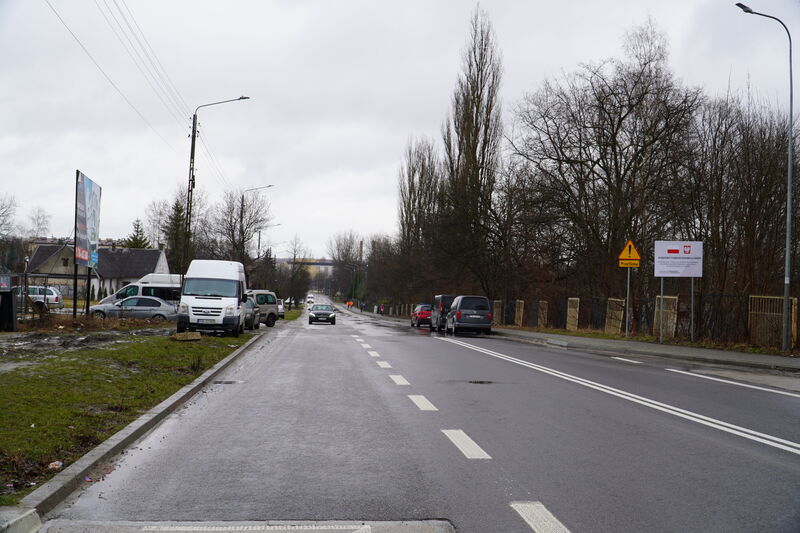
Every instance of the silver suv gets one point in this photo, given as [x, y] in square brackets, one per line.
[40, 294]
[267, 303]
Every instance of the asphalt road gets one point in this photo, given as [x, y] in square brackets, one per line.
[369, 421]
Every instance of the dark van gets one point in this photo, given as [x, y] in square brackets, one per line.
[469, 313]
[440, 308]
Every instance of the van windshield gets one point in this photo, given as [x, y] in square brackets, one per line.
[225, 288]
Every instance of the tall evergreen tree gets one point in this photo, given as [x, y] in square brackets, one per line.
[137, 239]
[174, 231]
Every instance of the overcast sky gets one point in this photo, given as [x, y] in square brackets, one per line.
[337, 89]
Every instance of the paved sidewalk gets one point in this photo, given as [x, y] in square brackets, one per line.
[623, 347]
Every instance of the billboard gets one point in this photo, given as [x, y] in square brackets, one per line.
[678, 259]
[87, 220]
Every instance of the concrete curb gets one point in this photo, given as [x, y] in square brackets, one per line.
[626, 350]
[19, 520]
[26, 517]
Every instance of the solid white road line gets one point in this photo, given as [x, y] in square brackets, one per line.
[734, 383]
[383, 364]
[366, 346]
[422, 402]
[769, 440]
[538, 517]
[399, 380]
[374, 354]
[465, 444]
[627, 360]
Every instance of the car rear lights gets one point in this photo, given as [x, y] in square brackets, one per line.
[489, 316]
[458, 315]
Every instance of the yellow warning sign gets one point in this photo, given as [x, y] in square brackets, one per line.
[629, 256]
[629, 252]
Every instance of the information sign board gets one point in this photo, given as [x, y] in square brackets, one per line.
[678, 259]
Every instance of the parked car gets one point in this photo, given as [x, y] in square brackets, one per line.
[43, 297]
[252, 314]
[439, 310]
[322, 313]
[421, 315]
[267, 303]
[469, 313]
[136, 307]
[281, 309]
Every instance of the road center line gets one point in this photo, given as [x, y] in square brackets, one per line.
[366, 346]
[538, 517]
[355, 336]
[627, 360]
[358, 339]
[383, 364]
[399, 380]
[750, 434]
[733, 382]
[422, 402]
[466, 445]
[373, 353]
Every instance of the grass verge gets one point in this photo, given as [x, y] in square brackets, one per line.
[64, 403]
[292, 314]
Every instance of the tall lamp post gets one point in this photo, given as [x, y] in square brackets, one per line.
[785, 345]
[188, 225]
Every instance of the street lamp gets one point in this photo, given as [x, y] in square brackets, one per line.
[188, 225]
[788, 263]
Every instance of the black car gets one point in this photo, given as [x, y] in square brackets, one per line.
[440, 308]
[322, 313]
[469, 313]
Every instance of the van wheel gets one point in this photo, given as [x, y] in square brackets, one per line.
[235, 331]
[181, 328]
[40, 307]
[270, 321]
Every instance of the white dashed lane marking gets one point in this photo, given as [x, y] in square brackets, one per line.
[373, 353]
[367, 346]
[399, 380]
[466, 445]
[538, 517]
[354, 336]
[422, 402]
[627, 360]
[383, 364]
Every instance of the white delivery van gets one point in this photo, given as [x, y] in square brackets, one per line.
[212, 297]
[164, 286]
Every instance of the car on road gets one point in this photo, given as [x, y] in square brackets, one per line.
[281, 309]
[421, 315]
[267, 303]
[252, 314]
[322, 313]
[43, 297]
[469, 313]
[136, 307]
[439, 310]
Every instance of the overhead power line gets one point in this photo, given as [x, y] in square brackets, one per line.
[107, 77]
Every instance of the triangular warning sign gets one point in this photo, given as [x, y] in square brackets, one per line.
[629, 252]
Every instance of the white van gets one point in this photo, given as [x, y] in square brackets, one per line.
[164, 286]
[212, 297]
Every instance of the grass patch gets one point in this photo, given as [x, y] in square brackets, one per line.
[292, 314]
[67, 402]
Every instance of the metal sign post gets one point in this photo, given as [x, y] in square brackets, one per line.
[628, 258]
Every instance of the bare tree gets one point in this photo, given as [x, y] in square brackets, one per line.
[472, 137]
[38, 222]
[237, 220]
[155, 219]
[8, 208]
